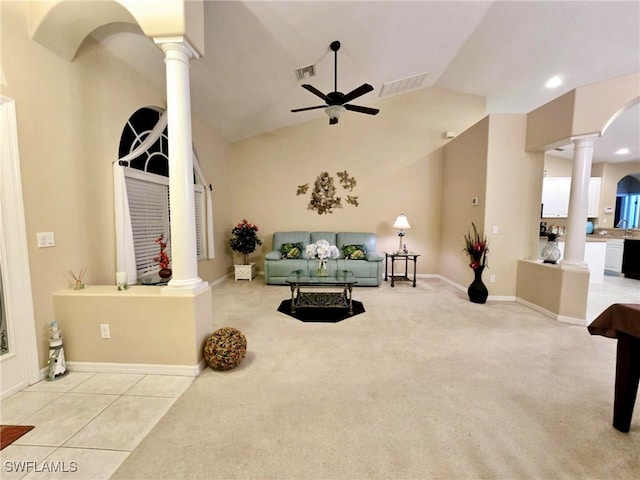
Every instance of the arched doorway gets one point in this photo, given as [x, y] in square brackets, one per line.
[627, 212]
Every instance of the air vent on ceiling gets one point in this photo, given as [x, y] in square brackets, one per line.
[305, 72]
[402, 85]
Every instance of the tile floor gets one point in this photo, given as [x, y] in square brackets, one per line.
[86, 423]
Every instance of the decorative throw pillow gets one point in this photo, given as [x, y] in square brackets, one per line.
[355, 252]
[291, 251]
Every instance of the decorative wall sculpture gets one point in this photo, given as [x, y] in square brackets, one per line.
[324, 197]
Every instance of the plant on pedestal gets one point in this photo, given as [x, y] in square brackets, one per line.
[244, 240]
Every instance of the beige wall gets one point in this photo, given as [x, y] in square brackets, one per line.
[394, 156]
[488, 161]
[584, 110]
[514, 189]
[70, 116]
[554, 289]
[146, 327]
[464, 177]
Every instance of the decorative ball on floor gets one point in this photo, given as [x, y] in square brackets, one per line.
[225, 348]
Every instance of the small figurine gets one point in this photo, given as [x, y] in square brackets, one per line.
[56, 365]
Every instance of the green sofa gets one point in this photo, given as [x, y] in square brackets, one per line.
[368, 270]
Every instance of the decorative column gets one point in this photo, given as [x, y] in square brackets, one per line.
[184, 261]
[578, 202]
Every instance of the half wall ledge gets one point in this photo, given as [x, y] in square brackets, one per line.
[558, 292]
[147, 328]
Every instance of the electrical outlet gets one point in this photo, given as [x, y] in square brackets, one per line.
[496, 230]
[105, 332]
[492, 279]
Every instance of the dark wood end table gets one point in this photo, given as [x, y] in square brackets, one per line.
[405, 276]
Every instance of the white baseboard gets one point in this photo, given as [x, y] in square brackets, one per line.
[142, 368]
[561, 318]
[490, 298]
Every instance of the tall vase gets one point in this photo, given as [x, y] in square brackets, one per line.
[321, 270]
[477, 291]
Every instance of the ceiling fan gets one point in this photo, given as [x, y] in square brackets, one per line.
[337, 102]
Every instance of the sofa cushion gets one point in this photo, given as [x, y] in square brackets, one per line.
[355, 252]
[291, 251]
[328, 236]
[356, 238]
[280, 238]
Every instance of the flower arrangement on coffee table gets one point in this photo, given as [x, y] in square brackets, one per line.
[322, 250]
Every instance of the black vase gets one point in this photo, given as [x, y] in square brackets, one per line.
[477, 291]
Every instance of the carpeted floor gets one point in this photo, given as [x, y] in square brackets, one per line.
[423, 385]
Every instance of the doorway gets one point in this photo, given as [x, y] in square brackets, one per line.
[18, 356]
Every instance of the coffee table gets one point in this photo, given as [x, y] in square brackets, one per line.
[343, 279]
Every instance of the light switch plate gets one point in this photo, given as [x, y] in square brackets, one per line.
[46, 239]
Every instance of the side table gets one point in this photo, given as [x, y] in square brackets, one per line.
[400, 256]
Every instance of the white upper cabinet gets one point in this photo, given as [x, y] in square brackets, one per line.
[555, 197]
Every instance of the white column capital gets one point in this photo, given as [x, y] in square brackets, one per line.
[585, 140]
[178, 45]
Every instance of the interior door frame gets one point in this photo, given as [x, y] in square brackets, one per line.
[17, 291]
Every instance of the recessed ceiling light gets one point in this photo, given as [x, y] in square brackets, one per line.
[622, 151]
[554, 82]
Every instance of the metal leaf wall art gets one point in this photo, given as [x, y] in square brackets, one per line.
[324, 198]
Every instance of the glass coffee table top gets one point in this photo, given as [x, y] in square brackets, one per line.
[303, 278]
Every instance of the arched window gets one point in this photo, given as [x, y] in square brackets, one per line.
[147, 182]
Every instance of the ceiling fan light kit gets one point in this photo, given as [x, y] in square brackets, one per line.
[334, 112]
[337, 102]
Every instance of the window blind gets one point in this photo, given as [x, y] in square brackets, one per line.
[149, 208]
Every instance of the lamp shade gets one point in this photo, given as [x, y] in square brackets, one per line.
[402, 223]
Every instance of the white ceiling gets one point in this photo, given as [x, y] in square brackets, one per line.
[245, 84]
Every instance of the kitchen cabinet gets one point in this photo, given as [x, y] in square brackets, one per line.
[555, 197]
[631, 259]
[613, 258]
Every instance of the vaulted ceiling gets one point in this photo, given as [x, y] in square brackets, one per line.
[245, 84]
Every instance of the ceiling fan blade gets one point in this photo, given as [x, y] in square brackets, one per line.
[357, 108]
[308, 108]
[316, 92]
[358, 92]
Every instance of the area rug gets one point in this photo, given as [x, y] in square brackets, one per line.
[325, 314]
[10, 433]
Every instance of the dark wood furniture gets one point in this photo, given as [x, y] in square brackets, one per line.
[622, 321]
[631, 258]
[405, 276]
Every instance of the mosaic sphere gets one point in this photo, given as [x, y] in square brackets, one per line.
[225, 348]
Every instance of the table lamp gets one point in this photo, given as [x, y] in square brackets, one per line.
[401, 224]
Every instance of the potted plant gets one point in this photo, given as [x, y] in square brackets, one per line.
[163, 259]
[244, 240]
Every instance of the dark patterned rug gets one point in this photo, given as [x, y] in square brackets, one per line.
[321, 314]
[10, 433]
